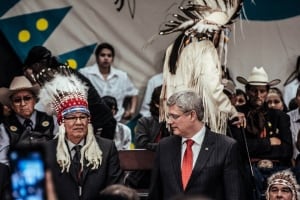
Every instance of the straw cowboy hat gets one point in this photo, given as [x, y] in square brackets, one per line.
[258, 76]
[18, 83]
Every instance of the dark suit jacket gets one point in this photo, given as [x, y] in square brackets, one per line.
[94, 181]
[215, 174]
[277, 125]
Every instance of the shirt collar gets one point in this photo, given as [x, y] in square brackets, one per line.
[71, 144]
[197, 138]
[32, 118]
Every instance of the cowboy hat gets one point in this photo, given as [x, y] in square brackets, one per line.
[18, 83]
[258, 76]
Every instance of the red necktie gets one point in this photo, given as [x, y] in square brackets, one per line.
[187, 163]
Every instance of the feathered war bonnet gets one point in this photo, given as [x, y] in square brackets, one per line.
[202, 19]
[287, 179]
[64, 95]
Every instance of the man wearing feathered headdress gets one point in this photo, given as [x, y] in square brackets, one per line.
[82, 164]
[283, 185]
[40, 66]
[193, 60]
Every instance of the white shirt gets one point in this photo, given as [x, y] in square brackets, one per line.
[117, 85]
[198, 140]
[289, 91]
[71, 145]
[122, 137]
[4, 145]
[153, 82]
[295, 127]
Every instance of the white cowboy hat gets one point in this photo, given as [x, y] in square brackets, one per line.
[258, 76]
[18, 83]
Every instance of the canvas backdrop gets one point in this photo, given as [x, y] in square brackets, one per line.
[268, 38]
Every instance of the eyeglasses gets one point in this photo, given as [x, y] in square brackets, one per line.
[175, 116]
[75, 118]
[18, 100]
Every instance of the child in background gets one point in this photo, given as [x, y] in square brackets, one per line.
[122, 137]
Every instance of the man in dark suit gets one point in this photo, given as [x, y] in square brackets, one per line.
[194, 160]
[81, 164]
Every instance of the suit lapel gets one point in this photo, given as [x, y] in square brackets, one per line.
[84, 173]
[206, 150]
[176, 159]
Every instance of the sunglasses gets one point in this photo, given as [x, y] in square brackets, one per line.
[18, 100]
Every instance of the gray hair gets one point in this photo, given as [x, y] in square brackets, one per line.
[187, 101]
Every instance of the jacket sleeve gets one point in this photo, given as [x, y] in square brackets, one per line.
[232, 174]
[115, 173]
[155, 192]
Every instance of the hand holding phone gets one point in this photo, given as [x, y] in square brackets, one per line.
[28, 173]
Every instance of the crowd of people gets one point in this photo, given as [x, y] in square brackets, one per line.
[211, 140]
[241, 163]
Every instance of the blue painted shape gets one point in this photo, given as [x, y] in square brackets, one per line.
[81, 55]
[11, 28]
[269, 10]
[5, 5]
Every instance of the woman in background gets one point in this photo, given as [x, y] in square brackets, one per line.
[275, 100]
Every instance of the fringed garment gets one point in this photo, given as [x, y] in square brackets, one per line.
[198, 68]
[195, 61]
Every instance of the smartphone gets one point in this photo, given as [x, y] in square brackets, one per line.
[28, 173]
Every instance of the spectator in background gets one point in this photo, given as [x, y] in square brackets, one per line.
[4, 146]
[275, 100]
[152, 83]
[241, 97]
[122, 137]
[26, 125]
[268, 135]
[111, 81]
[295, 123]
[292, 83]
[229, 90]
[282, 185]
[4, 142]
[149, 131]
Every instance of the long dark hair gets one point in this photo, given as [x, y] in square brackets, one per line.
[154, 110]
